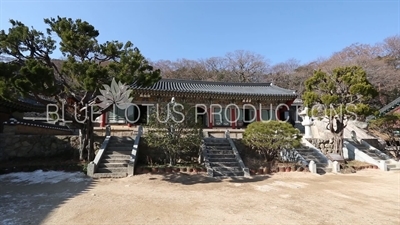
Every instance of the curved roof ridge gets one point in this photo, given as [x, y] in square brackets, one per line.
[223, 83]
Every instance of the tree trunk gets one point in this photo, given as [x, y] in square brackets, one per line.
[84, 142]
[338, 143]
[91, 141]
[338, 133]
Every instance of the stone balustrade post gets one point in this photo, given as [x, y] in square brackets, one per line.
[383, 165]
[312, 167]
[335, 167]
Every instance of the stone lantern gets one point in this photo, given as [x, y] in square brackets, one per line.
[307, 123]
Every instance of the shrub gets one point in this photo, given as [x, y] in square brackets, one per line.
[269, 138]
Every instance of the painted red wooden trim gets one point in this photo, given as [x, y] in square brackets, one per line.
[103, 120]
[258, 114]
[233, 118]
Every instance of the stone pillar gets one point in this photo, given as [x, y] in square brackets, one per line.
[91, 169]
[131, 168]
[383, 165]
[312, 167]
[335, 167]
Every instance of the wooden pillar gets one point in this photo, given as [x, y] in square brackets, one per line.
[258, 114]
[282, 109]
[103, 120]
[233, 118]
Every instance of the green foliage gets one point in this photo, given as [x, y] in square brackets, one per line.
[269, 138]
[75, 80]
[386, 124]
[88, 65]
[174, 129]
[346, 91]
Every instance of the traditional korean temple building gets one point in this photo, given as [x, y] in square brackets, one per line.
[392, 107]
[15, 109]
[254, 101]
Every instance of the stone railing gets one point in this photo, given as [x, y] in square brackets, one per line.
[210, 171]
[135, 148]
[292, 156]
[237, 155]
[92, 166]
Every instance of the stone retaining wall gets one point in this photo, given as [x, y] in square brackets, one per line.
[25, 146]
[325, 145]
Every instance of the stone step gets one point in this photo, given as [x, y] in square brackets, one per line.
[110, 175]
[113, 170]
[126, 145]
[125, 138]
[221, 156]
[321, 165]
[222, 160]
[393, 169]
[217, 144]
[118, 148]
[112, 165]
[219, 152]
[220, 147]
[224, 164]
[315, 159]
[227, 169]
[113, 160]
[214, 139]
[116, 157]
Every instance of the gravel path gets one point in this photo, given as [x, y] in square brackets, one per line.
[367, 197]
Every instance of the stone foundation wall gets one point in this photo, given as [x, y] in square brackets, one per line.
[325, 145]
[25, 146]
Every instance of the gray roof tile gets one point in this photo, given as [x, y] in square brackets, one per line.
[210, 87]
[391, 106]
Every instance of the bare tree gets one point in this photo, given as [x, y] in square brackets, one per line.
[247, 66]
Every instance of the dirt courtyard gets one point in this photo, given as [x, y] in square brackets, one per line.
[366, 197]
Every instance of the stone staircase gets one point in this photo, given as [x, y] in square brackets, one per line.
[374, 154]
[320, 160]
[114, 162]
[219, 154]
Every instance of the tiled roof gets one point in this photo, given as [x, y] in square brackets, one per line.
[391, 106]
[220, 88]
[23, 104]
[14, 121]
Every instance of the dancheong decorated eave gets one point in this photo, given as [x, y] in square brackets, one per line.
[264, 96]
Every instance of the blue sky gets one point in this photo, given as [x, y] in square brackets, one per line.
[170, 30]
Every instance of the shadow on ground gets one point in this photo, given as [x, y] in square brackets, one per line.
[30, 201]
[189, 179]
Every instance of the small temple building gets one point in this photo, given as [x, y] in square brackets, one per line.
[242, 103]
